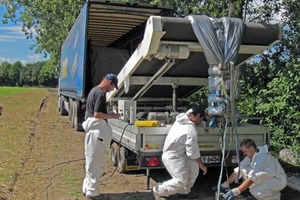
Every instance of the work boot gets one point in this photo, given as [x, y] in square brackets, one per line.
[156, 196]
[187, 196]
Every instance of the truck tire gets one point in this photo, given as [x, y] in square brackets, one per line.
[62, 109]
[73, 113]
[122, 160]
[70, 109]
[78, 116]
[114, 153]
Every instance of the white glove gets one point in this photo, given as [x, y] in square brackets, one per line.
[236, 191]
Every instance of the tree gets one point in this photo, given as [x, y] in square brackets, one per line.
[4, 70]
[14, 73]
[47, 76]
[273, 85]
[30, 73]
[25, 76]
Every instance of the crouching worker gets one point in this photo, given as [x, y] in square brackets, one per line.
[262, 174]
[181, 156]
[98, 135]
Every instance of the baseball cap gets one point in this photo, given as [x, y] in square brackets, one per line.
[196, 110]
[113, 78]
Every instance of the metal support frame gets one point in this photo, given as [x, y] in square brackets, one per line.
[169, 63]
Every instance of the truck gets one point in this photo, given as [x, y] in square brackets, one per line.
[159, 63]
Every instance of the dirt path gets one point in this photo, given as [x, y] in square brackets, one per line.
[54, 166]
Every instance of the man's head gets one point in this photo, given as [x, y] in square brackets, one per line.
[113, 78]
[109, 82]
[248, 147]
[196, 115]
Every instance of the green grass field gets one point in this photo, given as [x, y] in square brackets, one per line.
[8, 91]
[20, 106]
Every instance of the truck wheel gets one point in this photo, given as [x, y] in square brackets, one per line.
[62, 109]
[73, 113]
[70, 109]
[122, 160]
[114, 153]
[78, 116]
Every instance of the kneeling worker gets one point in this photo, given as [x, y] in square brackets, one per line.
[181, 156]
[262, 173]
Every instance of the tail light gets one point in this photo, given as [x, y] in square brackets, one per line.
[152, 162]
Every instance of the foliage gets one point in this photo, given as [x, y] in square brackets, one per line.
[47, 75]
[199, 98]
[14, 71]
[32, 74]
[272, 85]
[277, 102]
[4, 70]
[212, 8]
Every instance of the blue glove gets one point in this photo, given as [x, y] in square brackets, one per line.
[229, 195]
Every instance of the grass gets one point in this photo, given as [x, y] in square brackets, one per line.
[19, 108]
[9, 91]
[32, 141]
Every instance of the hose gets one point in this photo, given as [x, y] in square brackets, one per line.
[119, 154]
[223, 158]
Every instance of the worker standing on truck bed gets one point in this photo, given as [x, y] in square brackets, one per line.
[98, 135]
[181, 156]
[262, 172]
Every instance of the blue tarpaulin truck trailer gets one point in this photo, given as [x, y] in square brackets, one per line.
[99, 42]
[159, 62]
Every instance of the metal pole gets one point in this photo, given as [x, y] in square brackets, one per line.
[174, 97]
[148, 179]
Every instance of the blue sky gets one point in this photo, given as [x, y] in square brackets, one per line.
[13, 44]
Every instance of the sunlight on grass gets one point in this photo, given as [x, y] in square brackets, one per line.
[72, 180]
[20, 106]
[9, 91]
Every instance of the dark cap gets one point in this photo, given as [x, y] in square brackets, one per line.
[113, 78]
[196, 110]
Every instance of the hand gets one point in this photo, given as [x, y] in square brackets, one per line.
[229, 195]
[116, 116]
[232, 193]
[203, 168]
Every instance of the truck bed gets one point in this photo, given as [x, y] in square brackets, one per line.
[149, 141]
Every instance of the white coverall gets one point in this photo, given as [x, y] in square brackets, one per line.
[97, 141]
[266, 173]
[180, 148]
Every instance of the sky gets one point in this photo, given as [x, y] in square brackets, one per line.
[13, 44]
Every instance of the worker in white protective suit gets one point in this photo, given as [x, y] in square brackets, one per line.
[181, 156]
[98, 135]
[262, 173]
